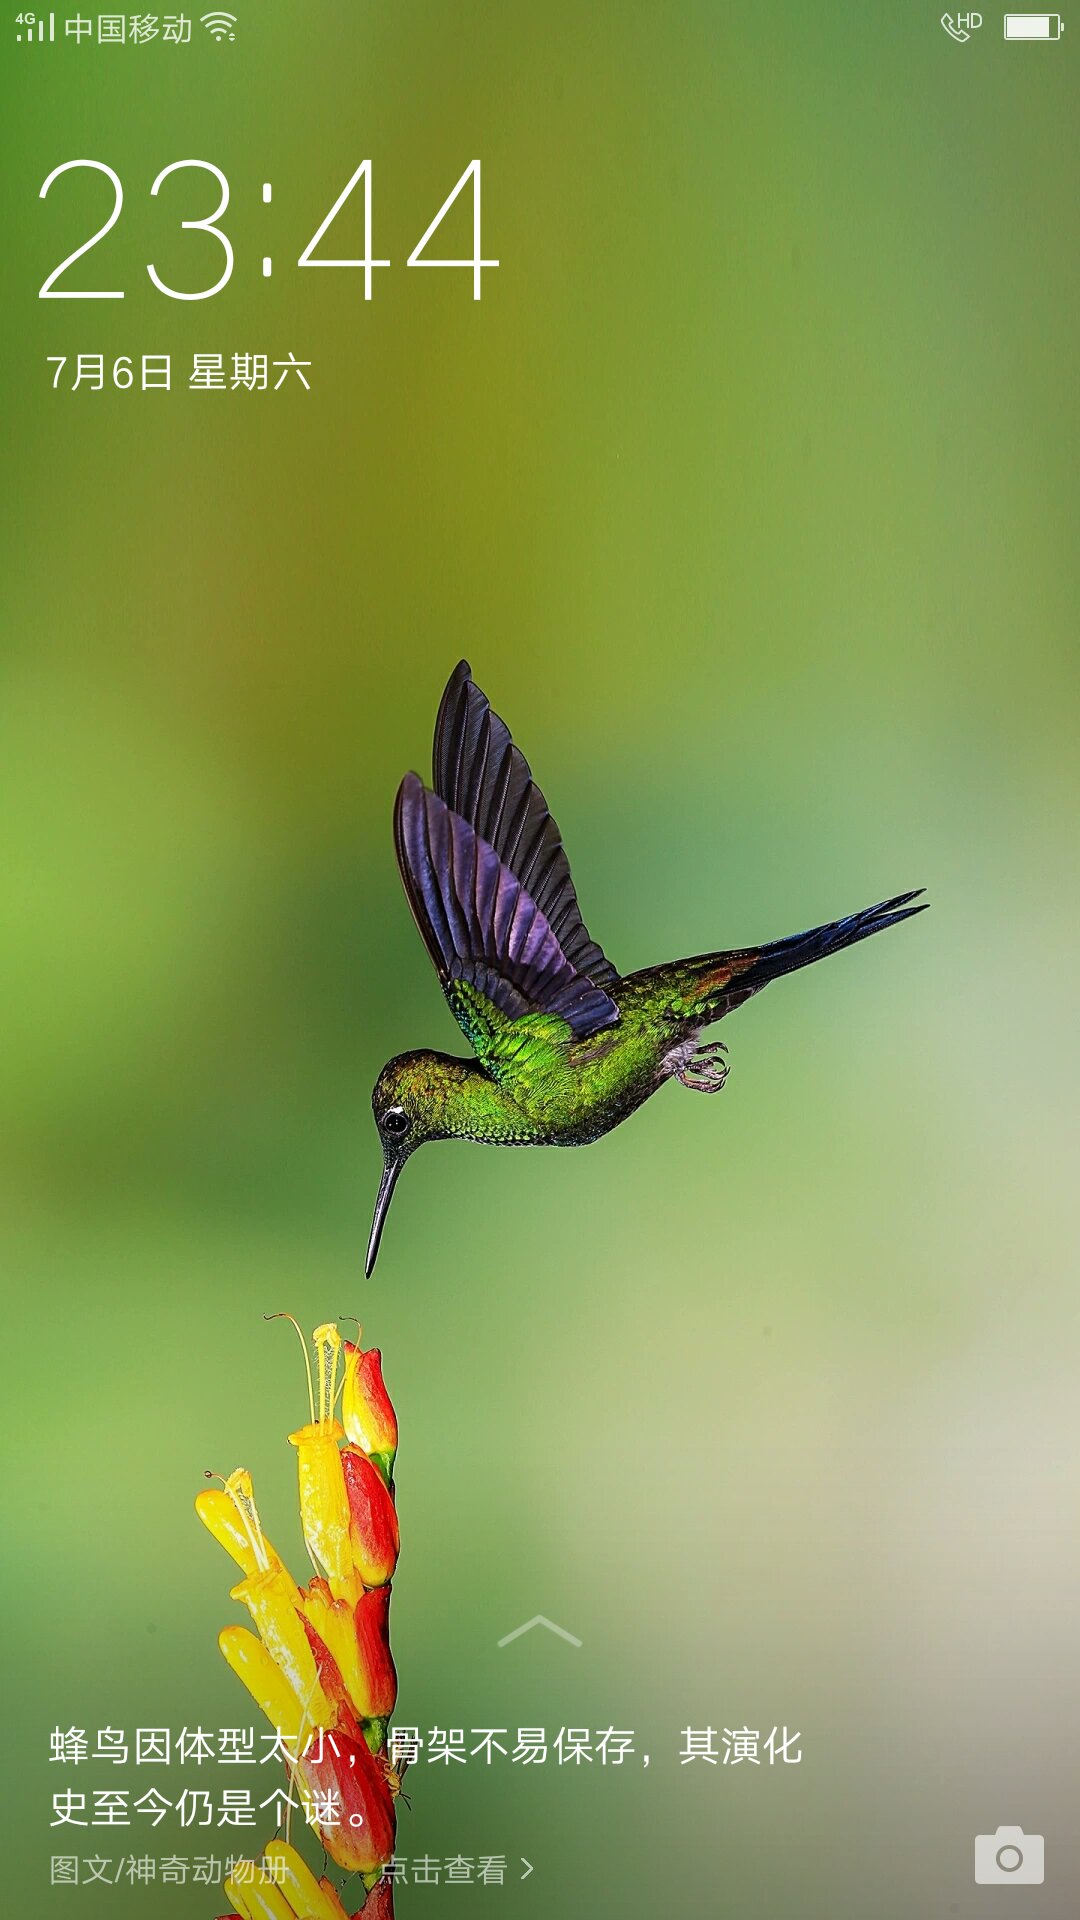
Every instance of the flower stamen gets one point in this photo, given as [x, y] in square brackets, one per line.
[239, 1488]
[327, 1342]
[304, 1351]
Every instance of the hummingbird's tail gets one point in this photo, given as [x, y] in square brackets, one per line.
[800, 949]
[715, 983]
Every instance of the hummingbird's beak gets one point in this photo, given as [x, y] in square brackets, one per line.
[391, 1169]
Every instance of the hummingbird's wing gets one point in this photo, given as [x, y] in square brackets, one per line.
[481, 925]
[484, 777]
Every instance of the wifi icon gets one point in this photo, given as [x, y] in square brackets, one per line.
[220, 25]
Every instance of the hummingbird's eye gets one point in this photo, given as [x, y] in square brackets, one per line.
[396, 1121]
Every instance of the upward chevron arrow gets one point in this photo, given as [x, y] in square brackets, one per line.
[539, 1620]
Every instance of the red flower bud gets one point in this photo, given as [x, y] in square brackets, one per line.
[376, 1662]
[351, 1646]
[367, 1416]
[379, 1904]
[373, 1521]
[342, 1776]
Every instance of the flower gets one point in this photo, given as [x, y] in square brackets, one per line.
[318, 1662]
[282, 1887]
[367, 1415]
[373, 1521]
[351, 1647]
[345, 1780]
[324, 1506]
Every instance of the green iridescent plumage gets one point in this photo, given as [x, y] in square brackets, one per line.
[564, 1047]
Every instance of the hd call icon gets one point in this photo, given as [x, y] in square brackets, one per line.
[962, 25]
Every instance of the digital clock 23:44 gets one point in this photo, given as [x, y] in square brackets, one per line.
[50, 290]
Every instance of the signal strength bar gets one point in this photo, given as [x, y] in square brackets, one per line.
[35, 29]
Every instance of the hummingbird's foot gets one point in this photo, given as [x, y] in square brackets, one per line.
[705, 1073]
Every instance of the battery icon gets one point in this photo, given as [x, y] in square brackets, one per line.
[1033, 26]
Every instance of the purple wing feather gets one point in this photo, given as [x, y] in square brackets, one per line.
[484, 777]
[479, 922]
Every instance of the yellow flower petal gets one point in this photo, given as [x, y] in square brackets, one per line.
[236, 1896]
[259, 1899]
[324, 1503]
[221, 1517]
[307, 1896]
[272, 1599]
[267, 1685]
[334, 1624]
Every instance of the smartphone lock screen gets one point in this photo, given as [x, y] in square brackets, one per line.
[538, 961]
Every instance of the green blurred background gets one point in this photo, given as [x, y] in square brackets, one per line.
[749, 489]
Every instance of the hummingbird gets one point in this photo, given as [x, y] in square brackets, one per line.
[564, 1047]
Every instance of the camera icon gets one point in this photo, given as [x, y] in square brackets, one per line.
[1010, 1854]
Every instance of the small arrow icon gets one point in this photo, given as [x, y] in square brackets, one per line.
[539, 1620]
[527, 1864]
